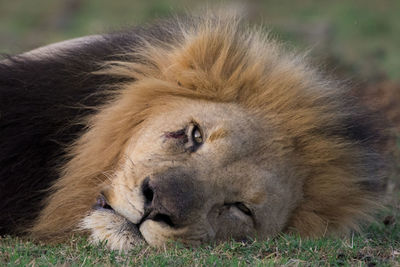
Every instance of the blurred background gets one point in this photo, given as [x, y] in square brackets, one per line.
[354, 40]
[362, 33]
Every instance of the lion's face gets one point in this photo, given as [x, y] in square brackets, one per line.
[198, 171]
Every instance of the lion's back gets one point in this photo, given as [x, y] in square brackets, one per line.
[44, 96]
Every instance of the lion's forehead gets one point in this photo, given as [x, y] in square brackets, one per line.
[219, 121]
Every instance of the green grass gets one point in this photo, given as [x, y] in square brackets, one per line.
[361, 32]
[378, 245]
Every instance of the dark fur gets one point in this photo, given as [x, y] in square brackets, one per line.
[41, 101]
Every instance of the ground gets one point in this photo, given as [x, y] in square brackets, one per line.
[379, 245]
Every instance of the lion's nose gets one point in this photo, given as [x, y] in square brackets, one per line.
[171, 197]
[147, 191]
[153, 208]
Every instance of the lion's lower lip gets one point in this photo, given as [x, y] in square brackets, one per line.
[161, 219]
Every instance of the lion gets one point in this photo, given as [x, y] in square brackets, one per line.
[199, 129]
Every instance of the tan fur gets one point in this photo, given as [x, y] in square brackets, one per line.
[220, 133]
[273, 92]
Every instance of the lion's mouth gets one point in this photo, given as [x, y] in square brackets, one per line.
[102, 204]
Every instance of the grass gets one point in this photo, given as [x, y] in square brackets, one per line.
[364, 32]
[378, 245]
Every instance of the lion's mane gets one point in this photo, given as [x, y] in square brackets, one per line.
[112, 85]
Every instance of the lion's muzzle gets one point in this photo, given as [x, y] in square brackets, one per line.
[172, 197]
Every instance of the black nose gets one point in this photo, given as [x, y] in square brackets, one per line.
[147, 191]
[152, 211]
[171, 197]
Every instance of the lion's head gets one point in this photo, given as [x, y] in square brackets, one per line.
[220, 134]
[197, 172]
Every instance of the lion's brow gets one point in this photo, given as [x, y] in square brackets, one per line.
[220, 133]
[180, 134]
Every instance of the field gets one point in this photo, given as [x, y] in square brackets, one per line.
[379, 245]
[357, 40]
[364, 33]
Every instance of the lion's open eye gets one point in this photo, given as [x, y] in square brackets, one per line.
[197, 136]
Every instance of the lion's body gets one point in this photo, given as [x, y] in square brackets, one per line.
[276, 137]
[42, 99]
